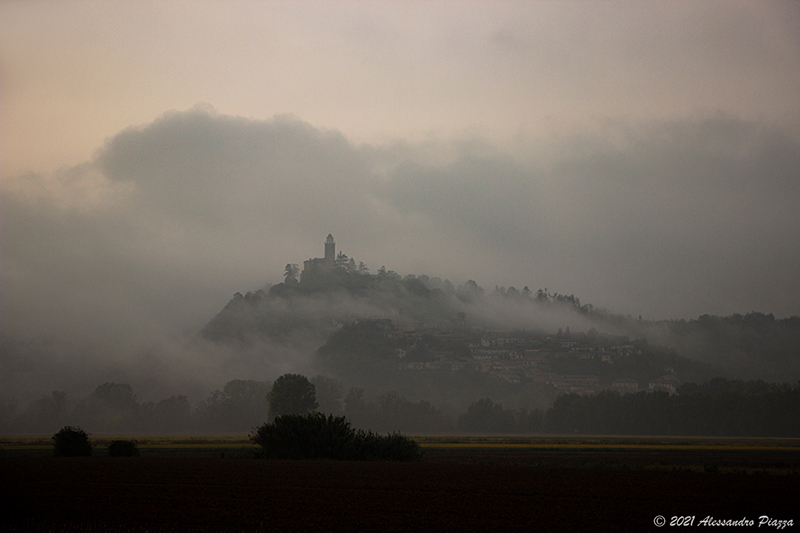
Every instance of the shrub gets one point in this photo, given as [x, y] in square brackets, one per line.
[123, 448]
[316, 435]
[392, 447]
[72, 442]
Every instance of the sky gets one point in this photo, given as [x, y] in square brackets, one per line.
[158, 157]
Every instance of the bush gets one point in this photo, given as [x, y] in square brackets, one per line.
[72, 442]
[123, 448]
[316, 435]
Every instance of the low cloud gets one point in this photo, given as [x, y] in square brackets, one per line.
[154, 235]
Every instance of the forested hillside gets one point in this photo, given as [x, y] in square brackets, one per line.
[751, 346]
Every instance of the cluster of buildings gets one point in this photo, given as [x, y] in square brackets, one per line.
[514, 358]
[522, 357]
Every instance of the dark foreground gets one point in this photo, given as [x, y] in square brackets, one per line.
[449, 491]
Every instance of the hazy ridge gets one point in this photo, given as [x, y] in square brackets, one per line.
[346, 328]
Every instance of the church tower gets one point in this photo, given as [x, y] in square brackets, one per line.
[330, 251]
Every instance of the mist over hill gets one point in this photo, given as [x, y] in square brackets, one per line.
[485, 146]
[322, 300]
[419, 354]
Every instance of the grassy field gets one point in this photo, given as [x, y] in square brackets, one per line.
[463, 484]
[587, 442]
[604, 442]
[147, 444]
[212, 484]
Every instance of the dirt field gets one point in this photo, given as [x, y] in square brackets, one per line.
[451, 490]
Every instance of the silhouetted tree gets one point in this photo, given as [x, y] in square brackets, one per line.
[290, 273]
[111, 408]
[116, 394]
[469, 291]
[485, 416]
[171, 415]
[329, 394]
[123, 448]
[46, 412]
[71, 442]
[316, 435]
[397, 413]
[239, 406]
[342, 261]
[292, 394]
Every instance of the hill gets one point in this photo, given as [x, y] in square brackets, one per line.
[328, 297]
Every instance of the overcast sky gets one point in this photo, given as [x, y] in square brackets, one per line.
[158, 157]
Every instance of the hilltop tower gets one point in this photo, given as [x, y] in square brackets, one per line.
[330, 251]
[321, 264]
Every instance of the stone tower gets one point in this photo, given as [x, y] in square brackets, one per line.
[330, 251]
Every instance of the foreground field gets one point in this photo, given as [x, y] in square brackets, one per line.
[205, 494]
[149, 444]
[748, 455]
[463, 484]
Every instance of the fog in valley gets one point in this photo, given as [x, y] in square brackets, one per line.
[512, 183]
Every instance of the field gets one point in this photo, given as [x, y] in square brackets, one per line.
[462, 484]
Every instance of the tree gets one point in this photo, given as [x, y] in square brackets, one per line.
[356, 408]
[46, 412]
[316, 435]
[329, 394]
[469, 291]
[526, 292]
[542, 295]
[171, 415]
[123, 448]
[118, 395]
[237, 407]
[290, 273]
[292, 394]
[397, 413]
[111, 408]
[71, 442]
[342, 260]
[485, 416]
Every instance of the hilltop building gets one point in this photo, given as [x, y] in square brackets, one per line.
[321, 264]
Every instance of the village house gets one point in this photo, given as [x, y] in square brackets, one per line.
[580, 380]
[668, 383]
[508, 377]
[624, 385]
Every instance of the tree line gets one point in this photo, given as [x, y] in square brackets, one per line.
[718, 407]
[113, 408]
